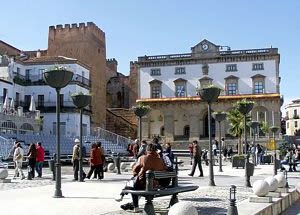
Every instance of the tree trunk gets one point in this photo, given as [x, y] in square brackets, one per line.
[240, 146]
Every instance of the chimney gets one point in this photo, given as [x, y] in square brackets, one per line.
[38, 53]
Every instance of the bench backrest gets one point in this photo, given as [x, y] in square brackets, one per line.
[151, 175]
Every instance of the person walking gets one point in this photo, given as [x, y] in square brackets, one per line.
[18, 159]
[197, 159]
[75, 158]
[31, 155]
[40, 157]
[95, 161]
[99, 169]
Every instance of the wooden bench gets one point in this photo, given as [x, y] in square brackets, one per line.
[151, 192]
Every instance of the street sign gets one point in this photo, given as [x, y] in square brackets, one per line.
[271, 144]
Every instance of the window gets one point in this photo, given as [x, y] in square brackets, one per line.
[18, 71]
[180, 90]
[17, 99]
[258, 82]
[179, 70]
[27, 74]
[27, 99]
[296, 124]
[231, 89]
[155, 91]
[84, 129]
[40, 100]
[40, 74]
[258, 87]
[257, 66]
[155, 88]
[295, 112]
[287, 125]
[155, 72]
[231, 68]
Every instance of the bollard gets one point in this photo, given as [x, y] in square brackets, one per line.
[232, 209]
[29, 175]
[117, 161]
[286, 179]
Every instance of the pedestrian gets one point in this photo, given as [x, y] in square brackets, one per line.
[95, 161]
[259, 154]
[142, 150]
[75, 158]
[31, 155]
[18, 159]
[135, 149]
[253, 153]
[230, 152]
[40, 157]
[214, 148]
[168, 152]
[197, 159]
[191, 152]
[99, 170]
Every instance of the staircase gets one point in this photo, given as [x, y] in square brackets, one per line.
[122, 122]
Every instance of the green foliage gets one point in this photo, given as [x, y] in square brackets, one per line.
[283, 148]
[243, 102]
[265, 127]
[236, 121]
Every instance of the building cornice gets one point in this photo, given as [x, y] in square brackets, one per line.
[219, 57]
[221, 98]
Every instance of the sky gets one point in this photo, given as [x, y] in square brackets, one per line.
[152, 27]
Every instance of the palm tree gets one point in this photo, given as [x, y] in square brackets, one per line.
[236, 120]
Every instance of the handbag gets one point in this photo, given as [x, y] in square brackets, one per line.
[131, 184]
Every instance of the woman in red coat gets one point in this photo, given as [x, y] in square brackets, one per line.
[95, 160]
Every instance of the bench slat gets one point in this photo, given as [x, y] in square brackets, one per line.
[162, 174]
[163, 192]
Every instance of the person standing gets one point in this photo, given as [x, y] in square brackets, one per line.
[135, 149]
[75, 158]
[157, 146]
[40, 157]
[197, 159]
[95, 161]
[18, 159]
[31, 155]
[99, 169]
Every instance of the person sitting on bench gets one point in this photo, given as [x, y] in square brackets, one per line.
[150, 161]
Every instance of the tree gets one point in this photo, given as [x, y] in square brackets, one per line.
[236, 120]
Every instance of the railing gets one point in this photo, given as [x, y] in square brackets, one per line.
[38, 80]
[190, 55]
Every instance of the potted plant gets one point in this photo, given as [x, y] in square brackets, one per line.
[209, 93]
[81, 100]
[141, 109]
[238, 161]
[58, 77]
[244, 106]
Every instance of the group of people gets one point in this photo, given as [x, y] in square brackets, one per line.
[292, 156]
[148, 156]
[35, 157]
[96, 160]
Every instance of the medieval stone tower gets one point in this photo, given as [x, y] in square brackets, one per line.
[85, 42]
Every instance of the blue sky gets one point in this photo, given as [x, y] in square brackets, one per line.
[142, 27]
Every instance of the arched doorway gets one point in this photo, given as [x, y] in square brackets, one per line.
[186, 131]
[213, 126]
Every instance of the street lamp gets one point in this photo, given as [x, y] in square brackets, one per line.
[140, 111]
[220, 116]
[80, 101]
[244, 107]
[274, 129]
[58, 78]
[209, 94]
[254, 125]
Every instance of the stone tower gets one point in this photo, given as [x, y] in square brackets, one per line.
[85, 42]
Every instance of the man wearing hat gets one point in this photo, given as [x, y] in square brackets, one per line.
[75, 158]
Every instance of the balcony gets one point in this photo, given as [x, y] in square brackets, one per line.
[38, 80]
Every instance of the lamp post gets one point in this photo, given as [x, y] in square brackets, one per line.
[244, 107]
[232, 209]
[140, 111]
[58, 78]
[254, 125]
[220, 116]
[81, 101]
[274, 129]
[209, 95]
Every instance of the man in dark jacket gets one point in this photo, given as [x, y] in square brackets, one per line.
[197, 159]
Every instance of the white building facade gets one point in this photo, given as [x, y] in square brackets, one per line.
[168, 84]
[292, 120]
[22, 79]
